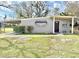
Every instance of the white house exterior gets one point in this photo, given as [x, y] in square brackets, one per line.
[55, 24]
[40, 25]
[51, 24]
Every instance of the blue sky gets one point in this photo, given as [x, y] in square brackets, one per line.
[5, 11]
[51, 4]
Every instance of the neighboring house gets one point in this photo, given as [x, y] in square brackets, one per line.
[54, 24]
[2, 21]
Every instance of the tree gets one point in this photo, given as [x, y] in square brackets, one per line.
[56, 11]
[31, 9]
[5, 4]
[72, 8]
[40, 9]
[18, 8]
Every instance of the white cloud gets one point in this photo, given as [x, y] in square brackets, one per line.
[56, 5]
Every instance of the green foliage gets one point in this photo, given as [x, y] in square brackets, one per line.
[66, 14]
[29, 29]
[19, 29]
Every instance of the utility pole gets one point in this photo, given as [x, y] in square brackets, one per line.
[4, 21]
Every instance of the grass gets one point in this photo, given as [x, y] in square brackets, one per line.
[40, 46]
[7, 29]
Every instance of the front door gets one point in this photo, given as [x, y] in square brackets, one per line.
[56, 26]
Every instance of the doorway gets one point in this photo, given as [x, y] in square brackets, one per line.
[56, 26]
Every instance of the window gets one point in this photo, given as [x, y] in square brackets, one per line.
[41, 23]
[64, 25]
[64, 31]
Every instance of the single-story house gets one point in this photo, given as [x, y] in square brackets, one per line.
[52, 24]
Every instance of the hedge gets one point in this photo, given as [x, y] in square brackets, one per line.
[19, 29]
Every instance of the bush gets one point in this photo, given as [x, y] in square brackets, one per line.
[29, 29]
[19, 29]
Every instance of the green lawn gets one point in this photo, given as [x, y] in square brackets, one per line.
[36, 46]
[7, 29]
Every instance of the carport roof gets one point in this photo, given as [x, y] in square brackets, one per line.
[63, 17]
[57, 17]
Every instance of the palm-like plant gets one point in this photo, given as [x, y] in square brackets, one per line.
[29, 29]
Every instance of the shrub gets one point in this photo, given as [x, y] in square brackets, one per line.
[19, 29]
[29, 29]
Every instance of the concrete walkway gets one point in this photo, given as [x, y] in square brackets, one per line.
[11, 34]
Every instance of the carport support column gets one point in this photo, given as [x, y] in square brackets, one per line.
[53, 24]
[72, 24]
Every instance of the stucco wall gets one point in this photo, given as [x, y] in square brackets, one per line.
[48, 28]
